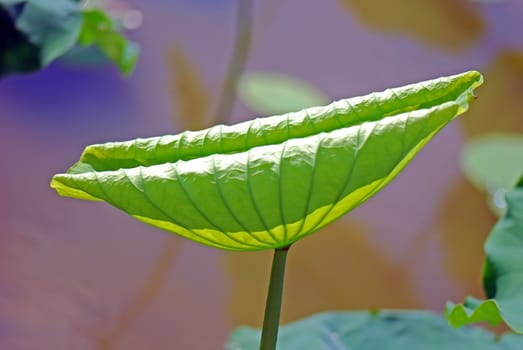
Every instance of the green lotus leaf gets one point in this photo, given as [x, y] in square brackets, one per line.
[383, 330]
[268, 182]
[503, 274]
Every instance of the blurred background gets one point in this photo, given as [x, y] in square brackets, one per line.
[83, 276]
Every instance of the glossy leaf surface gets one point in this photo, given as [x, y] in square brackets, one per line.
[503, 274]
[386, 330]
[268, 182]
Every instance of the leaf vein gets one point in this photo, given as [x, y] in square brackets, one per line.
[203, 215]
[228, 207]
[280, 192]
[311, 188]
[251, 195]
[159, 208]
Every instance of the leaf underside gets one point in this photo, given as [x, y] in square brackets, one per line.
[503, 273]
[268, 182]
[385, 330]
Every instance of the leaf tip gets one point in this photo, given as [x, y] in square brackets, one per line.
[478, 79]
[64, 186]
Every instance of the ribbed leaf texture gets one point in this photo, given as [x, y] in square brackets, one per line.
[270, 181]
[503, 274]
[383, 330]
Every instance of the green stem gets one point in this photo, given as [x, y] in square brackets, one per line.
[271, 321]
[238, 60]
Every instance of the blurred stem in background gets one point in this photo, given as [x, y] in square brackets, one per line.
[159, 274]
[237, 64]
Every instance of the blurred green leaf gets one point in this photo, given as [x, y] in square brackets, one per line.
[274, 93]
[383, 330]
[98, 29]
[493, 161]
[503, 274]
[52, 25]
[84, 57]
[35, 32]
[17, 54]
[267, 183]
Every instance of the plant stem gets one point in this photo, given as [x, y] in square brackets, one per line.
[271, 320]
[238, 60]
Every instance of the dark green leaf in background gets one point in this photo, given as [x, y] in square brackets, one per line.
[503, 274]
[17, 54]
[384, 330]
[35, 32]
[52, 25]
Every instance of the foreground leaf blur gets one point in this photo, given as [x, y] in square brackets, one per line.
[387, 330]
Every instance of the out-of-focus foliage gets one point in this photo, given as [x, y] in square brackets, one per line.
[450, 24]
[273, 93]
[466, 215]
[494, 160]
[99, 30]
[235, 187]
[346, 262]
[34, 33]
[465, 219]
[387, 330]
[503, 274]
[192, 99]
[493, 163]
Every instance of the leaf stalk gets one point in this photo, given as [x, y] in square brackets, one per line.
[271, 320]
